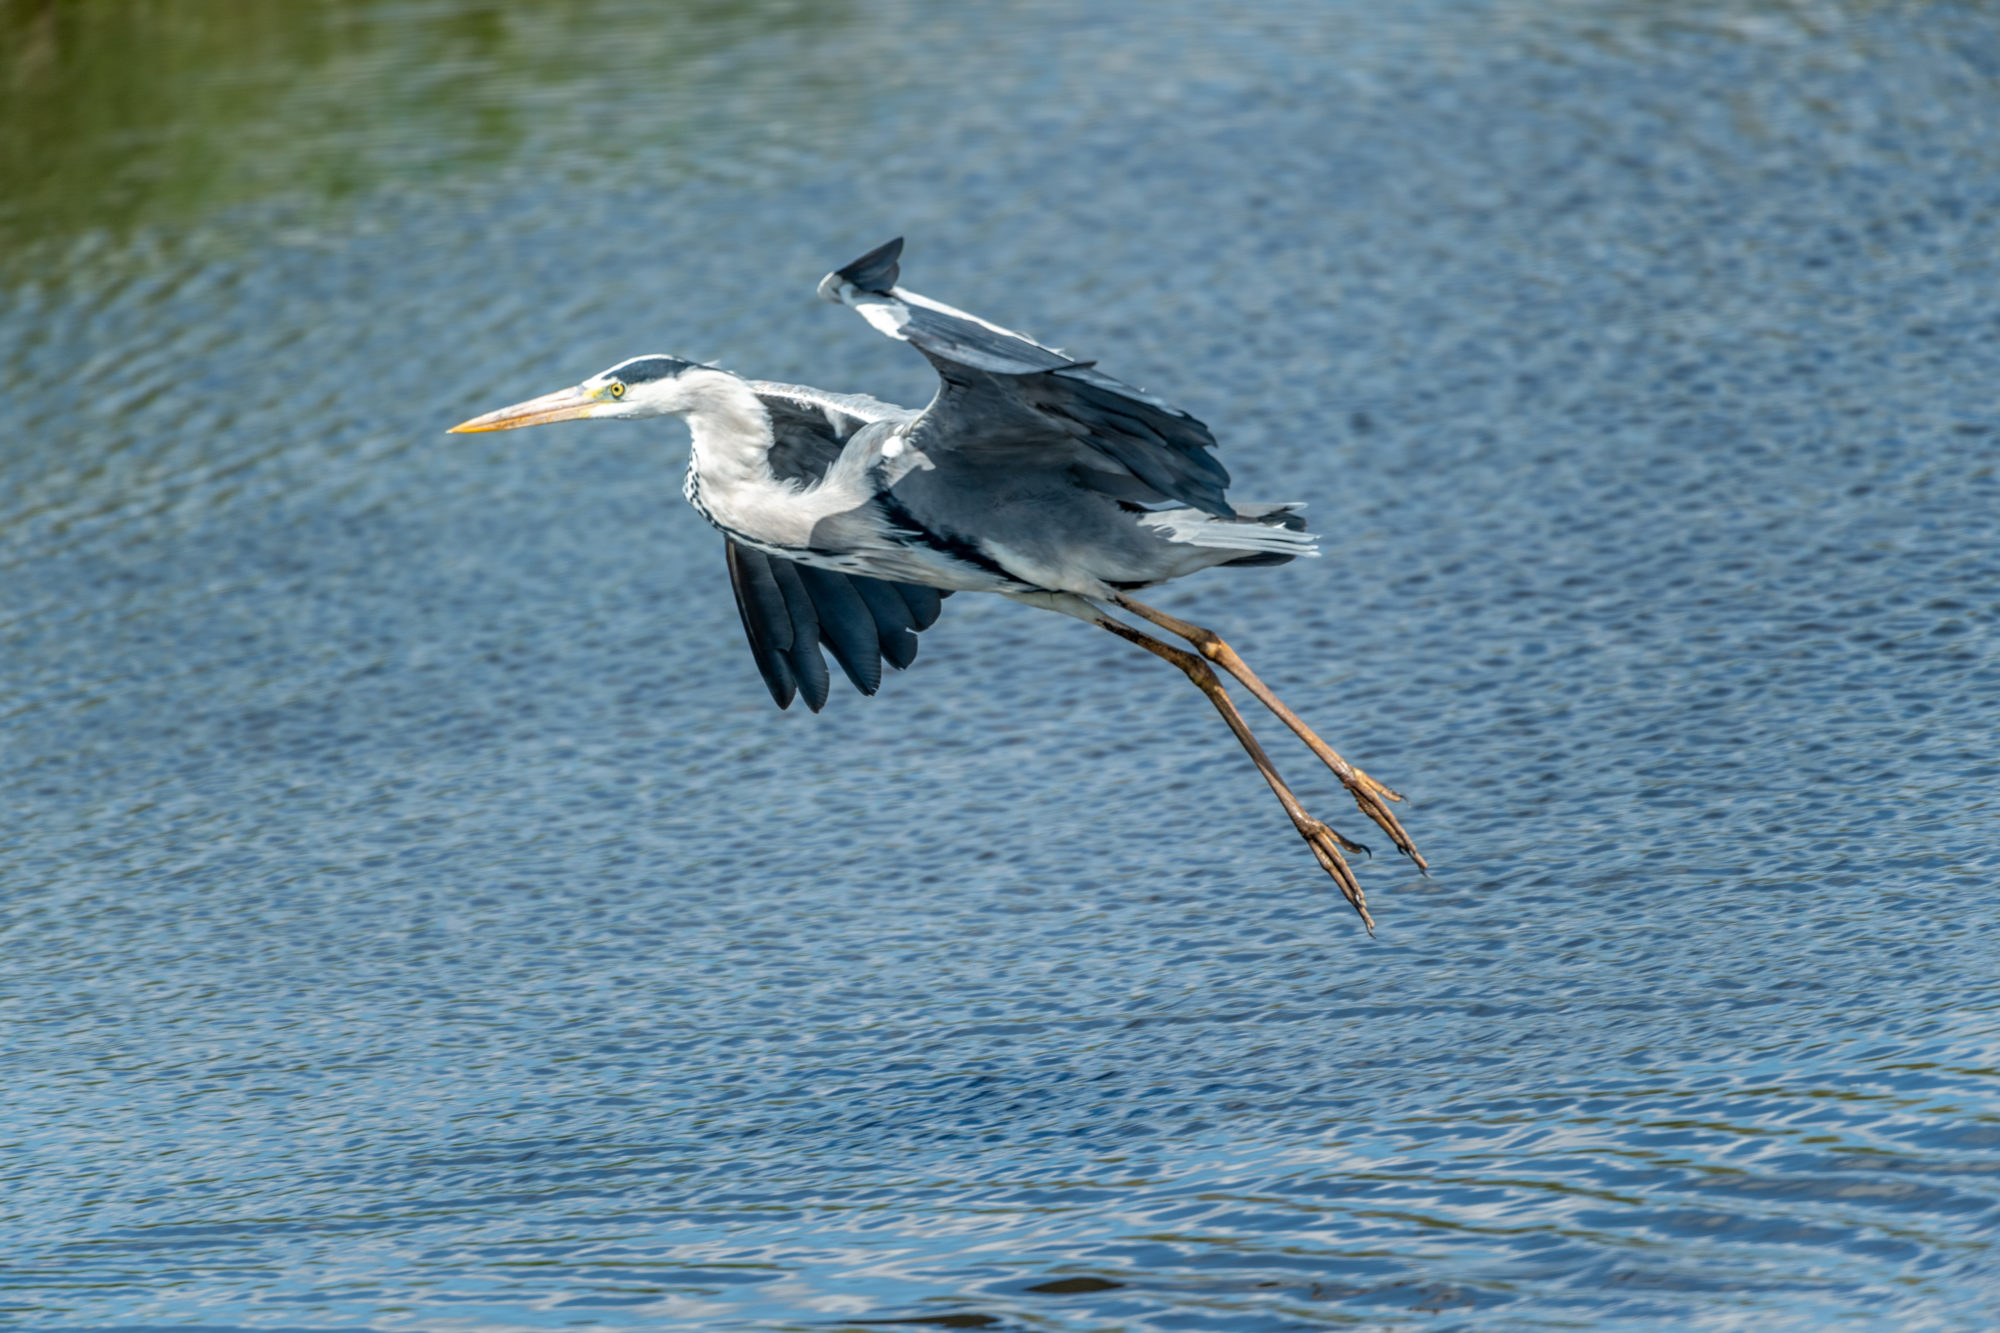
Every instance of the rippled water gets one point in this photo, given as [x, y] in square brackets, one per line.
[417, 917]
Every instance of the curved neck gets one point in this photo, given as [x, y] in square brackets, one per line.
[731, 429]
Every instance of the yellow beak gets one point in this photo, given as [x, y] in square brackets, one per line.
[562, 405]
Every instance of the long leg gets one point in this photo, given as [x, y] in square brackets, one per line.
[1369, 794]
[1325, 843]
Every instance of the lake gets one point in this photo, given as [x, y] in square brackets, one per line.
[418, 917]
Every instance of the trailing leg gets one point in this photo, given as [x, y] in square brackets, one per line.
[1326, 844]
[1369, 794]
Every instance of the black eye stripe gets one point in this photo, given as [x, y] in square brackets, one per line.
[645, 369]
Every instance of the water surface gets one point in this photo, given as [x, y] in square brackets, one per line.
[417, 917]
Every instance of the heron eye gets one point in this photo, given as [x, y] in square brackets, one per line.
[617, 389]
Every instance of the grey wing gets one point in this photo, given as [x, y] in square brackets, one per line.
[1005, 393]
[809, 427]
[790, 609]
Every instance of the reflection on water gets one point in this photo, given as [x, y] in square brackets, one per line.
[415, 915]
[121, 113]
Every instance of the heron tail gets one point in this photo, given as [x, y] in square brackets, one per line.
[1267, 534]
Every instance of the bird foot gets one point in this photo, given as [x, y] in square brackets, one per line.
[1327, 846]
[1371, 796]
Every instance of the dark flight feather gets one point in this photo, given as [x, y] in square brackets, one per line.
[845, 625]
[789, 610]
[765, 619]
[925, 603]
[807, 665]
[895, 627]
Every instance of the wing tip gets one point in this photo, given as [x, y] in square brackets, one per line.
[875, 271]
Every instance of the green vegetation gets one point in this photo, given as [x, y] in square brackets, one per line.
[117, 115]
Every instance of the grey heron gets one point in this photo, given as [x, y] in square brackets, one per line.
[1031, 474]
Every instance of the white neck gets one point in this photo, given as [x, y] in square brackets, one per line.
[731, 429]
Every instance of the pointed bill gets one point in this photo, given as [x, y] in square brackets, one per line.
[562, 405]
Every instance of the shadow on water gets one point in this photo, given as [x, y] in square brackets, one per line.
[127, 114]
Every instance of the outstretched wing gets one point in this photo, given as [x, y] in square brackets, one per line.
[790, 609]
[1006, 394]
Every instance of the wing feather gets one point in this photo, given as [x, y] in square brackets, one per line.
[895, 627]
[766, 622]
[810, 427]
[1003, 392]
[846, 625]
[925, 603]
[789, 610]
[807, 665]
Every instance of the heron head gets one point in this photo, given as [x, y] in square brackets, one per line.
[643, 386]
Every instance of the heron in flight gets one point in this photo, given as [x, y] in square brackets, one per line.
[1031, 474]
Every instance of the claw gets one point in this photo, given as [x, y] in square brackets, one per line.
[1318, 836]
[1348, 844]
[1378, 787]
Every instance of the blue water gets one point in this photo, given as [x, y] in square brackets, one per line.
[417, 917]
